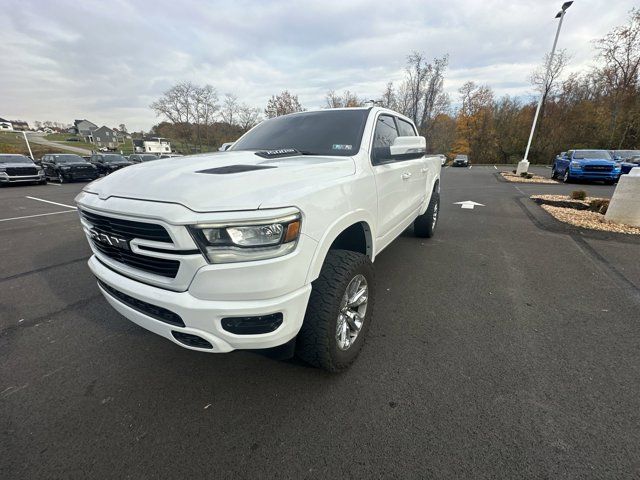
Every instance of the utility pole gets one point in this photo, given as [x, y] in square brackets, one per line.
[24, 134]
[523, 165]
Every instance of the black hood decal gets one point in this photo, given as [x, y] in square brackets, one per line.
[234, 169]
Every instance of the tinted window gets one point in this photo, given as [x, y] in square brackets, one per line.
[114, 159]
[383, 136]
[330, 132]
[594, 154]
[14, 159]
[405, 128]
[68, 159]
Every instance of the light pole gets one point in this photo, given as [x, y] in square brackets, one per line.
[24, 134]
[523, 165]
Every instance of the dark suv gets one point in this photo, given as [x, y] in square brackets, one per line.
[142, 157]
[67, 167]
[109, 162]
[19, 169]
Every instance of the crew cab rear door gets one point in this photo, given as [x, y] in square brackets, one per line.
[399, 183]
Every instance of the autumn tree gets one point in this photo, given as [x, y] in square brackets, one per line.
[282, 104]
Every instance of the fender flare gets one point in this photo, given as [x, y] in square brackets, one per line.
[434, 184]
[333, 231]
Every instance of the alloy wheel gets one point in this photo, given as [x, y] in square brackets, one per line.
[353, 309]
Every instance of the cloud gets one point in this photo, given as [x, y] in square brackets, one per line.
[109, 61]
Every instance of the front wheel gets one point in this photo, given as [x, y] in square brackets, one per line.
[424, 226]
[567, 177]
[339, 312]
[61, 178]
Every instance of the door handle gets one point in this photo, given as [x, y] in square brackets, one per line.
[406, 176]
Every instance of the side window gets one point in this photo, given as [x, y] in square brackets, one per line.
[405, 128]
[383, 136]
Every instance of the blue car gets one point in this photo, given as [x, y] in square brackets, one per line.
[627, 159]
[586, 165]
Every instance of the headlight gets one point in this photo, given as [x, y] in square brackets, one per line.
[65, 168]
[3, 169]
[246, 242]
[576, 165]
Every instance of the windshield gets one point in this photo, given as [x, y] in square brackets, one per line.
[461, 157]
[69, 159]
[114, 159]
[591, 154]
[328, 132]
[14, 159]
[146, 158]
[626, 153]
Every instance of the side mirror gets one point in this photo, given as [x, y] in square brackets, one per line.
[403, 148]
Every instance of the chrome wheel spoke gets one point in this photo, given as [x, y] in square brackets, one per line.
[352, 312]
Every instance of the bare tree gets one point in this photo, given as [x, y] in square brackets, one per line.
[248, 117]
[347, 99]
[282, 104]
[546, 84]
[122, 127]
[388, 99]
[230, 109]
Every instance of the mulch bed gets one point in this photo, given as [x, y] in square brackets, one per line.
[512, 177]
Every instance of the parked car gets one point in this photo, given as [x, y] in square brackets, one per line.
[269, 244]
[586, 165]
[67, 167]
[142, 157]
[628, 159]
[170, 155]
[225, 146]
[460, 161]
[107, 163]
[19, 169]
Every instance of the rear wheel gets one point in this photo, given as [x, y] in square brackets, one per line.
[425, 225]
[339, 311]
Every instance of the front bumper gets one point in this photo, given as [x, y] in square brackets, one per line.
[594, 175]
[80, 175]
[21, 178]
[204, 317]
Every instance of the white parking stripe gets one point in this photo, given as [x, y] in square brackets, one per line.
[54, 184]
[54, 203]
[32, 216]
[495, 167]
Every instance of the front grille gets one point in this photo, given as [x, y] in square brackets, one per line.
[17, 171]
[152, 311]
[159, 266]
[597, 168]
[127, 228]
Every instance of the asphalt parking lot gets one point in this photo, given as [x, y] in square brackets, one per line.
[499, 348]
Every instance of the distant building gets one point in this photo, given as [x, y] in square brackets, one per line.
[84, 128]
[5, 125]
[19, 125]
[104, 137]
[151, 145]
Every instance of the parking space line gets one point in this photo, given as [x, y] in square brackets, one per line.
[495, 167]
[54, 184]
[32, 216]
[54, 203]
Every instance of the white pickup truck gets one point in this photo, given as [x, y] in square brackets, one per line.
[270, 243]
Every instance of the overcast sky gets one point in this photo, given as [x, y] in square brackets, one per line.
[108, 60]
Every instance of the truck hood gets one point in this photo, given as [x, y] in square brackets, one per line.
[17, 165]
[224, 181]
[595, 162]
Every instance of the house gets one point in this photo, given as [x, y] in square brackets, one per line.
[151, 145]
[5, 125]
[84, 128]
[19, 125]
[104, 137]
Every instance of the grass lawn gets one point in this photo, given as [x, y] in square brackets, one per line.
[11, 142]
[62, 138]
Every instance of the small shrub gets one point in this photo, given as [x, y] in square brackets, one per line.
[529, 175]
[523, 174]
[513, 171]
[599, 205]
[578, 195]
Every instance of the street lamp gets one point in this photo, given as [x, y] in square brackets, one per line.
[523, 165]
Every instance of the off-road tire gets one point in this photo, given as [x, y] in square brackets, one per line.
[425, 226]
[316, 342]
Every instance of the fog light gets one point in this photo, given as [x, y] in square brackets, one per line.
[252, 325]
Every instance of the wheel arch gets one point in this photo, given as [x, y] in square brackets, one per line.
[353, 232]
